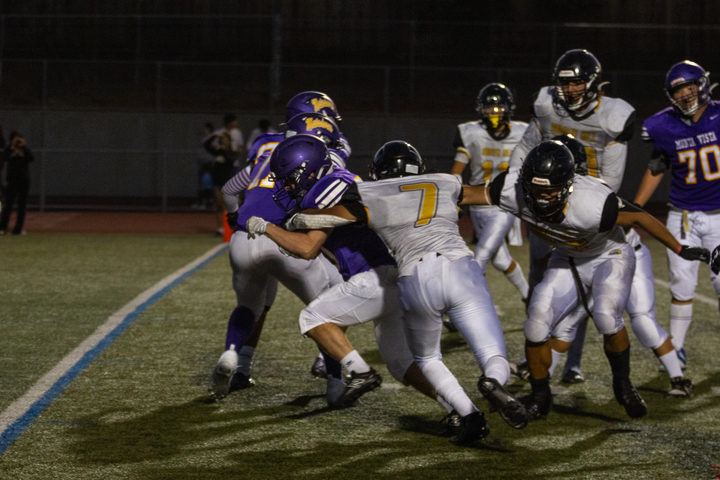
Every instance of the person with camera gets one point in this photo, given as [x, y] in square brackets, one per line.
[17, 156]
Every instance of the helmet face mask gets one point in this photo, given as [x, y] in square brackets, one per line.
[547, 177]
[687, 85]
[577, 81]
[296, 165]
[396, 159]
[496, 107]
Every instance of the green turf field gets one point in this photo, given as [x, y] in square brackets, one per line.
[140, 411]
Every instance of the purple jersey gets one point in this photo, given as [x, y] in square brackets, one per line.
[259, 200]
[259, 145]
[693, 154]
[357, 248]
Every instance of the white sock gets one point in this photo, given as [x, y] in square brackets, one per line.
[353, 362]
[680, 318]
[556, 357]
[445, 405]
[517, 278]
[447, 386]
[672, 364]
[497, 367]
[245, 360]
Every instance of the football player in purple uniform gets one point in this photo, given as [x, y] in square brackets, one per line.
[303, 172]
[686, 138]
[251, 259]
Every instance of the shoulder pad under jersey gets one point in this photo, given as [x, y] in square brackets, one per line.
[614, 115]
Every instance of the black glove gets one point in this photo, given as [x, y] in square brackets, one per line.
[232, 219]
[695, 253]
[715, 260]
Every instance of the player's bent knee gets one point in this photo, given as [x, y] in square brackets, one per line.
[309, 320]
[536, 332]
[608, 324]
[648, 332]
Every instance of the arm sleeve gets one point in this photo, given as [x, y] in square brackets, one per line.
[609, 213]
[659, 162]
[496, 187]
[529, 140]
[613, 166]
[234, 187]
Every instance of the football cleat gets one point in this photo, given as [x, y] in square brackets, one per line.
[509, 408]
[629, 398]
[681, 387]
[682, 358]
[452, 423]
[335, 389]
[521, 370]
[473, 427]
[224, 370]
[241, 382]
[573, 377]
[318, 369]
[358, 385]
[537, 405]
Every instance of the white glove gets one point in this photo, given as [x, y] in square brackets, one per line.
[255, 226]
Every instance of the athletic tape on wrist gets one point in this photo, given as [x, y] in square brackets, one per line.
[310, 222]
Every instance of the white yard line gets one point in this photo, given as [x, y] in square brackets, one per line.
[22, 412]
[702, 298]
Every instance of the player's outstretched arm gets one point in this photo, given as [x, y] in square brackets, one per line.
[647, 187]
[639, 218]
[476, 195]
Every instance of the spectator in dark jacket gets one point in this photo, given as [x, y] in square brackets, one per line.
[223, 169]
[16, 159]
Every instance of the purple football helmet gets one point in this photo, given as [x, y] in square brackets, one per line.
[311, 102]
[316, 124]
[681, 74]
[296, 164]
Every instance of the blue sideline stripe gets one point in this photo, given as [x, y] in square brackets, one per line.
[16, 429]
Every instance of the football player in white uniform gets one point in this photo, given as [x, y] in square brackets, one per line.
[574, 104]
[486, 146]
[640, 305]
[582, 218]
[416, 216]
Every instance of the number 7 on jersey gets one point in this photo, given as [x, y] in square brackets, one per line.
[428, 201]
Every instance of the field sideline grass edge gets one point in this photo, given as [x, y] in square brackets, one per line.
[22, 412]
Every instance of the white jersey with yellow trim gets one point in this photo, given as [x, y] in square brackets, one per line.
[578, 234]
[487, 157]
[603, 129]
[414, 216]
